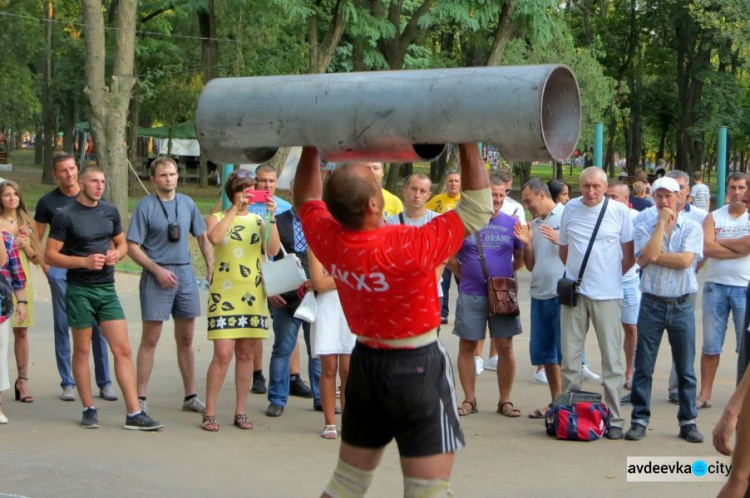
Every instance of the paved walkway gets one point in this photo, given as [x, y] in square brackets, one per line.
[43, 452]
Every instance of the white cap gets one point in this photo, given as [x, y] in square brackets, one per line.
[666, 183]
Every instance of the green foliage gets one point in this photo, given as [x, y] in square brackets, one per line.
[619, 80]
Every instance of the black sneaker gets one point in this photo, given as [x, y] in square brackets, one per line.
[141, 422]
[90, 419]
[625, 400]
[674, 398]
[259, 385]
[691, 434]
[636, 432]
[297, 387]
[614, 433]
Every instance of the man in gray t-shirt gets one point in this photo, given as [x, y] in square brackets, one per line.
[417, 191]
[158, 241]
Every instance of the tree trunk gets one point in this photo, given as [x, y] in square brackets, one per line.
[134, 186]
[321, 53]
[210, 53]
[438, 168]
[108, 103]
[502, 35]
[39, 149]
[524, 170]
[50, 130]
[391, 181]
[665, 124]
[609, 159]
[69, 124]
[394, 49]
[693, 57]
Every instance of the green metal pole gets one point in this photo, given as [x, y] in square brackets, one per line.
[721, 166]
[598, 144]
[226, 170]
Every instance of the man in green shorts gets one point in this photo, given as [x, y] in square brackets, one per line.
[87, 238]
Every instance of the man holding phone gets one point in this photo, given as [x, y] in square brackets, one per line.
[158, 241]
[266, 180]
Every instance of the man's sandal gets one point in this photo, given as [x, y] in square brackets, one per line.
[506, 409]
[462, 411]
[241, 421]
[330, 432]
[209, 423]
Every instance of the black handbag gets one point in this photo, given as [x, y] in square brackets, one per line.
[567, 289]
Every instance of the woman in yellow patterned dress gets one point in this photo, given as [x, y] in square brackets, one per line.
[16, 220]
[238, 313]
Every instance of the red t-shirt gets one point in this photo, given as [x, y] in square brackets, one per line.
[385, 277]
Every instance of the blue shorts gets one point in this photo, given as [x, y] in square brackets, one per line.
[631, 301]
[544, 345]
[718, 301]
[183, 301]
[473, 318]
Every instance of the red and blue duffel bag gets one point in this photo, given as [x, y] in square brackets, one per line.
[584, 422]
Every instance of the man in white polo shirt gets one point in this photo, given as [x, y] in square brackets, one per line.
[726, 281]
[600, 292]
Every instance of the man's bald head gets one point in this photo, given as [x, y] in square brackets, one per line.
[348, 192]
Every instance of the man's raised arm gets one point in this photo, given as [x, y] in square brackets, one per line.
[475, 207]
[307, 183]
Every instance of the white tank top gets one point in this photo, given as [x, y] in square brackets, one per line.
[729, 271]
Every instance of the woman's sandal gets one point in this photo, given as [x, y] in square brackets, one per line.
[506, 409]
[209, 423]
[24, 399]
[330, 432]
[462, 412]
[241, 421]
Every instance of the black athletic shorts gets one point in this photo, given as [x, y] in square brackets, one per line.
[407, 394]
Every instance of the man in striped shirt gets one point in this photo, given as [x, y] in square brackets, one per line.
[665, 249]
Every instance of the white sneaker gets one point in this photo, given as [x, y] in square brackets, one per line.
[479, 365]
[588, 374]
[540, 377]
[491, 363]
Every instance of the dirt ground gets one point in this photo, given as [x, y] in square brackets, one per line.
[44, 453]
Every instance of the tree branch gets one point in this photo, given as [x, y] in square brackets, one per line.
[502, 34]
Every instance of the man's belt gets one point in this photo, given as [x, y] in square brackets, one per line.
[685, 298]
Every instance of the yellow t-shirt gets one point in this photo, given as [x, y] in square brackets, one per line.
[392, 204]
[442, 203]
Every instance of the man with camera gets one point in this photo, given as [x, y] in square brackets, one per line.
[158, 241]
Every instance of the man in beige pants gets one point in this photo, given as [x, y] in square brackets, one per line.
[600, 292]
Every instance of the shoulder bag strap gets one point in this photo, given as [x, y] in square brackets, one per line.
[401, 218]
[480, 251]
[591, 242]
[176, 204]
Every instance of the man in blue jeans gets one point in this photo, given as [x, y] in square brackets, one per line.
[540, 244]
[65, 171]
[665, 250]
[286, 327]
[728, 275]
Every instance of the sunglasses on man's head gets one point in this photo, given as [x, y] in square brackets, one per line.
[244, 173]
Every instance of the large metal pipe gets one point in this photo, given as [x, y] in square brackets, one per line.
[528, 112]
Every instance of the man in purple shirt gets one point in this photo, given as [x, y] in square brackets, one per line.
[503, 254]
